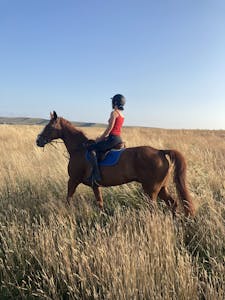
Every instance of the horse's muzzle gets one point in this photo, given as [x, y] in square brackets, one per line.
[41, 141]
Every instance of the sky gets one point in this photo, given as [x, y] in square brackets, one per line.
[167, 57]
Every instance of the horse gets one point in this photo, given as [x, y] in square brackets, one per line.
[143, 164]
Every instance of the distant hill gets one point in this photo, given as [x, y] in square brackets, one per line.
[38, 121]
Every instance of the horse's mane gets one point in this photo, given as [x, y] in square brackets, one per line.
[73, 130]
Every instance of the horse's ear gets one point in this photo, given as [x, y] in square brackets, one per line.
[53, 115]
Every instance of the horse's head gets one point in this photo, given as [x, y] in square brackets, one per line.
[51, 131]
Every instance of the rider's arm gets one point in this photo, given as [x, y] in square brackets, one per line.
[109, 127]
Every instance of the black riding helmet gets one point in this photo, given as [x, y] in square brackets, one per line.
[119, 101]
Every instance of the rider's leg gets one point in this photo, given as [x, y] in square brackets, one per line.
[95, 176]
[101, 146]
[108, 143]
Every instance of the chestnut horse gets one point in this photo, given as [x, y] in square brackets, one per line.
[143, 164]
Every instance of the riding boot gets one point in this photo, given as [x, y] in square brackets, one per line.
[95, 176]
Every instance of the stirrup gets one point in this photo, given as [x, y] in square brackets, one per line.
[96, 183]
[93, 181]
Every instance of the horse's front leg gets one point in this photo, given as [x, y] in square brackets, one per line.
[72, 185]
[98, 196]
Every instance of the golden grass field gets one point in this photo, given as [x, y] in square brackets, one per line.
[50, 251]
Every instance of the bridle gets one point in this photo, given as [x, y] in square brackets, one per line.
[51, 142]
[48, 141]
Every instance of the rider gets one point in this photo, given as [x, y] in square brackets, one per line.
[110, 137]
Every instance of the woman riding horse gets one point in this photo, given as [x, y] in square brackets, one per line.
[110, 137]
[144, 164]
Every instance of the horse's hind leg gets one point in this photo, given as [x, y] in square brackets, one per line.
[151, 192]
[171, 203]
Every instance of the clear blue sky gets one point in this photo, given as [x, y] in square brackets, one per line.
[166, 56]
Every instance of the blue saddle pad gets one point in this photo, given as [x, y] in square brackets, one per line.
[111, 158]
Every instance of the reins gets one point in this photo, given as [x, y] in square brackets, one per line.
[81, 147]
[52, 144]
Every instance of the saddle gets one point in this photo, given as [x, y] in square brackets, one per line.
[102, 155]
[106, 158]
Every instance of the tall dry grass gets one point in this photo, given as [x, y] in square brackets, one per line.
[50, 251]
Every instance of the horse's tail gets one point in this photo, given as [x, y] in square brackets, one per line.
[180, 180]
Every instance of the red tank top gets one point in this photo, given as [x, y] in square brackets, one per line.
[117, 125]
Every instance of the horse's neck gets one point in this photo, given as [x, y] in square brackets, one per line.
[73, 138]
